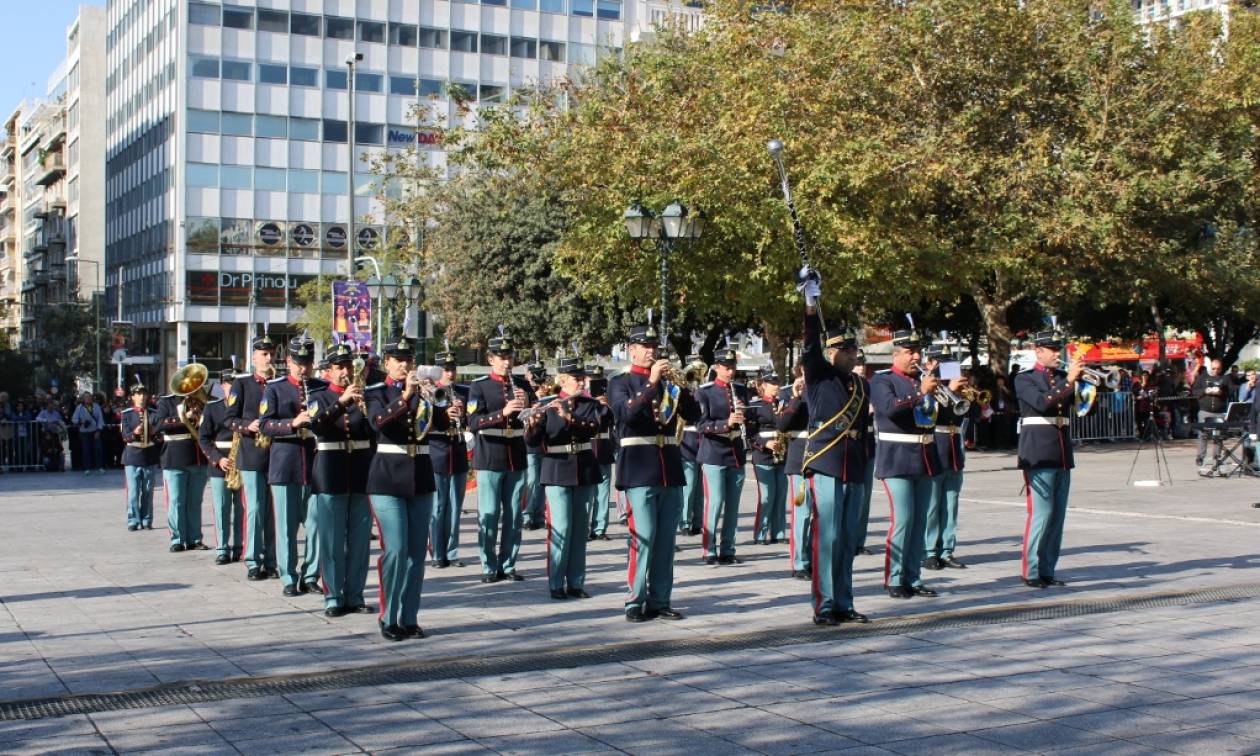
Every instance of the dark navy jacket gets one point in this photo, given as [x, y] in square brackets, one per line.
[893, 399]
[339, 469]
[242, 409]
[604, 443]
[827, 392]
[131, 433]
[1045, 393]
[762, 416]
[292, 451]
[690, 444]
[177, 452]
[214, 437]
[719, 443]
[553, 435]
[793, 419]
[634, 402]
[500, 443]
[394, 421]
[448, 451]
[949, 440]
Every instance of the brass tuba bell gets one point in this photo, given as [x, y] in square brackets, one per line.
[190, 383]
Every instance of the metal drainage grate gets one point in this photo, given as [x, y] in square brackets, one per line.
[457, 667]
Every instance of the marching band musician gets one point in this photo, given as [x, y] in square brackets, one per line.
[215, 439]
[793, 419]
[535, 506]
[401, 486]
[286, 418]
[139, 457]
[770, 524]
[605, 448]
[864, 515]
[1046, 397]
[941, 529]
[834, 458]
[570, 473]
[723, 452]
[448, 453]
[905, 406]
[339, 476]
[183, 470]
[243, 401]
[494, 403]
[649, 470]
[692, 521]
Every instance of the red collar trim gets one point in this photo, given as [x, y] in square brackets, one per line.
[640, 370]
[769, 398]
[335, 388]
[898, 371]
[1041, 368]
[720, 383]
[563, 395]
[294, 381]
[394, 383]
[260, 378]
[499, 378]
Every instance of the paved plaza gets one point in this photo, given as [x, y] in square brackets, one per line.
[1152, 647]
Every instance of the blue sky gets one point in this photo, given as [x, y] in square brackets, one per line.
[33, 37]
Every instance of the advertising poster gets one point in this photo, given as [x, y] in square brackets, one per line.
[352, 313]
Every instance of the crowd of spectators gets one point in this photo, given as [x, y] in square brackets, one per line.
[59, 433]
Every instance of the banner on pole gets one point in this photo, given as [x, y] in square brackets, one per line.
[352, 314]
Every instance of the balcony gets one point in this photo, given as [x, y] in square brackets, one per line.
[54, 167]
[7, 149]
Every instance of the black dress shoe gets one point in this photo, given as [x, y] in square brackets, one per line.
[710, 560]
[802, 575]
[1049, 581]
[635, 614]
[695, 531]
[900, 592]
[176, 548]
[756, 542]
[1034, 584]
[222, 559]
[291, 590]
[577, 593]
[361, 609]
[335, 611]
[825, 619]
[933, 563]
[413, 631]
[533, 526]
[514, 575]
[774, 541]
[273, 573]
[198, 546]
[850, 615]
[953, 563]
[459, 563]
[493, 578]
[666, 613]
[148, 527]
[924, 591]
[435, 563]
[311, 586]
[603, 537]
[444, 563]
[730, 559]
[133, 527]
[255, 574]
[392, 632]
[559, 595]
[863, 551]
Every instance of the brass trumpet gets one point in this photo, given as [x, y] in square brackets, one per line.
[977, 396]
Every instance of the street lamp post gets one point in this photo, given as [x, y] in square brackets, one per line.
[675, 223]
[350, 241]
[96, 308]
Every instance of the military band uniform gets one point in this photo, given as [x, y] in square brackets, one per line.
[722, 456]
[1045, 455]
[941, 530]
[243, 402]
[183, 475]
[140, 464]
[605, 447]
[692, 520]
[288, 473]
[834, 463]
[864, 515]
[535, 503]
[216, 442]
[770, 524]
[793, 419]
[448, 453]
[339, 477]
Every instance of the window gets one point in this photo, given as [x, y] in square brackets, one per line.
[237, 70]
[364, 183]
[369, 133]
[202, 174]
[434, 38]
[335, 79]
[272, 74]
[402, 34]
[494, 2]
[402, 85]
[304, 182]
[273, 21]
[275, 127]
[552, 51]
[371, 31]
[524, 48]
[306, 129]
[464, 41]
[338, 28]
[583, 55]
[525, 4]
[369, 82]
[551, 6]
[270, 179]
[462, 90]
[610, 9]
[238, 18]
[301, 23]
[206, 68]
[303, 77]
[334, 182]
[492, 93]
[236, 177]
[203, 14]
[493, 44]
[238, 124]
[430, 88]
[334, 131]
[203, 121]
[582, 7]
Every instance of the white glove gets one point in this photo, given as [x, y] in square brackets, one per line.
[810, 285]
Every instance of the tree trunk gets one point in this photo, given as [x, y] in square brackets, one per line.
[779, 344]
[711, 338]
[995, 312]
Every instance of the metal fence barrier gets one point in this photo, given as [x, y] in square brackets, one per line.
[1112, 419]
[27, 445]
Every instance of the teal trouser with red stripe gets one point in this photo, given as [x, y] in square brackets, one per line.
[185, 491]
[908, 499]
[289, 503]
[771, 521]
[864, 516]
[228, 515]
[800, 548]
[692, 517]
[260, 526]
[568, 528]
[836, 506]
[345, 533]
[500, 497]
[722, 488]
[653, 523]
[941, 532]
[1047, 512]
[404, 524]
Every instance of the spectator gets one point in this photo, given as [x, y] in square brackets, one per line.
[1247, 391]
[52, 428]
[1213, 390]
[90, 422]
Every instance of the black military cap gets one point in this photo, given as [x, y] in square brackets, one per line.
[264, 343]
[340, 354]
[1049, 339]
[694, 358]
[445, 358]
[573, 366]
[769, 376]
[403, 349]
[841, 337]
[226, 376]
[907, 339]
[322, 365]
[302, 350]
[537, 370]
[595, 371]
[643, 334]
[138, 388]
[938, 352]
[726, 356]
[861, 357]
[500, 345]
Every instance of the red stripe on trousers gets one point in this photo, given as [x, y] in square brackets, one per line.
[892, 523]
[634, 547]
[815, 564]
[380, 572]
[1023, 559]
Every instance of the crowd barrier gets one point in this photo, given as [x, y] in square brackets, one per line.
[24, 445]
[1112, 419]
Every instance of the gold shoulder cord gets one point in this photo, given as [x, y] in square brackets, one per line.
[842, 418]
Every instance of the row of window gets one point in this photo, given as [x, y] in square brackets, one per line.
[302, 129]
[291, 180]
[336, 27]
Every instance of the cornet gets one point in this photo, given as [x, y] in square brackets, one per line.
[948, 398]
[1107, 378]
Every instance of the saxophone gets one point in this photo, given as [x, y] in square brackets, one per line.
[232, 478]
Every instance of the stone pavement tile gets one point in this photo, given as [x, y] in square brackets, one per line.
[911, 674]
[508, 720]
[455, 748]
[959, 744]
[1249, 699]
[661, 736]
[750, 657]
[1037, 736]
[593, 711]
[967, 717]
[70, 745]
[386, 726]
[843, 683]
[764, 692]
[53, 727]
[1249, 727]
[668, 665]
[193, 737]
[565, 741]
[1197, 663]
[244, 708]
[323, 743]
[279, 727]
[426, 691]
[1046, 705]
[907, 700]
[730, 721]
[1121, 671]
[1108, 748]
[1124, 695]
[827, 712]
[1199, 713]
[516, 682]
[600, 672]
[339, 698]
[1120, 723]
[790, 740]
[664, 697]
[125, 720]
[1198, 741]
[710, 679]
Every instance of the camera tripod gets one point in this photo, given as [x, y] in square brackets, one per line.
[1163, 474]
